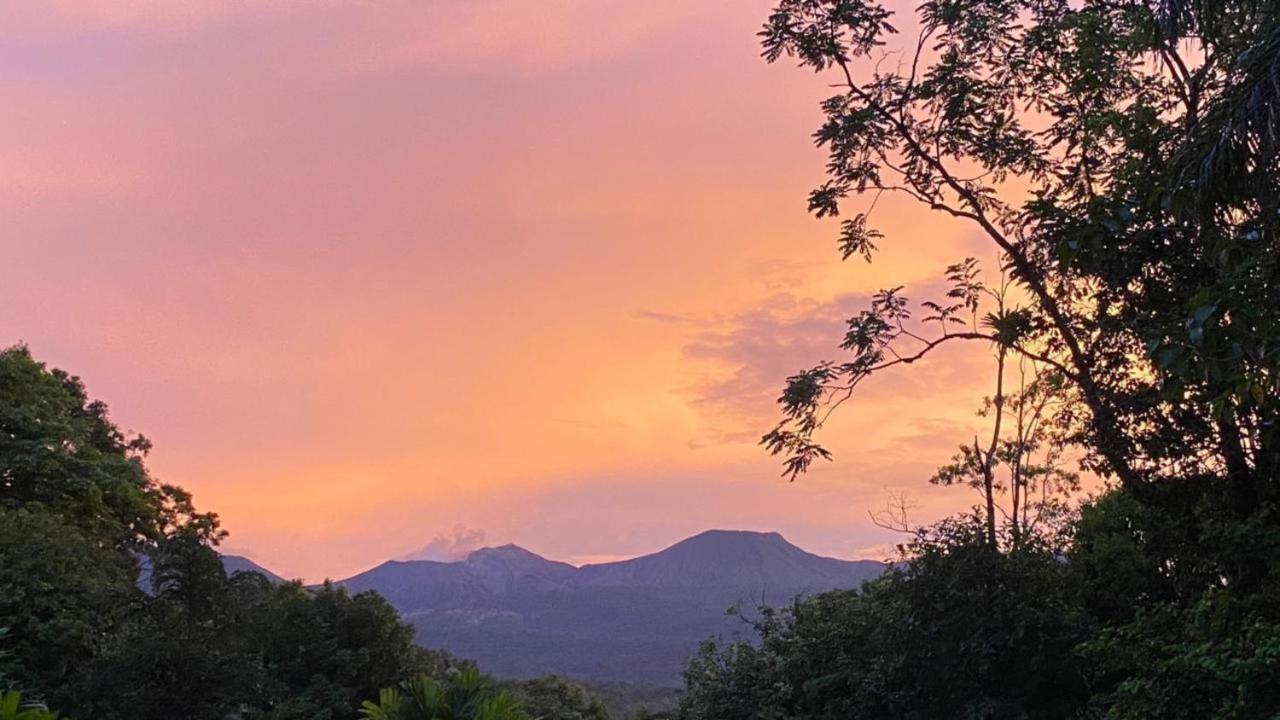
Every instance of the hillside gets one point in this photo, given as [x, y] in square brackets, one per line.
[520, 614]
[238, 563]
[231, 564]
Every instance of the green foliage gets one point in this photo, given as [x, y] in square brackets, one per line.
[208, 645]
[735, 681]
[9, 665]
[1186, 663]
[1107, 627]
[634, 700]
[962, 630]
[463, 695]
[63, 593]
[188, 650]
[60, 453]
[554, 698]
[329, 650]
[1174, 641]
[76, 507]
[11, 708]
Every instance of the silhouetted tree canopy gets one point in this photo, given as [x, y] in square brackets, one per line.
[1121, 160]
[962, 630]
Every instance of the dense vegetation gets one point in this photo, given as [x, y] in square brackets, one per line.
[962, 630]
[1123, 159]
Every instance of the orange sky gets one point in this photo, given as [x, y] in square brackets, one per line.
[378, 276]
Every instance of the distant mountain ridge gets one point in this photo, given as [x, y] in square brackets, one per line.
[518, 613]
[731, 559]
[231, 564]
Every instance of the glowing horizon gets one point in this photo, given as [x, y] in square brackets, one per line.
[376, 276]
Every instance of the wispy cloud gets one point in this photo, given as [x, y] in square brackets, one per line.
[752, 354]
[668, 318]
[451, 546]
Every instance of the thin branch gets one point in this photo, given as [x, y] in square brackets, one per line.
[1102, 413]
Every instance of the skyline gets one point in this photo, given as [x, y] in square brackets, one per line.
[368, 277]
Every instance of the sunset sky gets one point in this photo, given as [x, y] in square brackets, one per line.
[384, 277]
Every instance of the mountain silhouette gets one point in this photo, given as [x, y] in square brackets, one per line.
[233, 564]
[520, 614]
[734, 561]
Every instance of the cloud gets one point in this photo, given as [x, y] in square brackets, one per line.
[601, 559]
[752, 354]
[451, 547]
[552, 38]
[168, 19]
[667, 318]
[756, 350]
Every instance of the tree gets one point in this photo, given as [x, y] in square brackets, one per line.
[76, 508]
[1123, 159]
[60, 452]
[737, 681]
[1017, 469]
[329, 650]
[1166, 647]
[554, 698]
[464, 695]
[188, 650]
[206, 645]
[63, 593]
[1185, 664]
[1119, 156]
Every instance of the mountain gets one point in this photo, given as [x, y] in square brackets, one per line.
[519, 614]
[233, 564]
[487, 577]
[733, 561]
